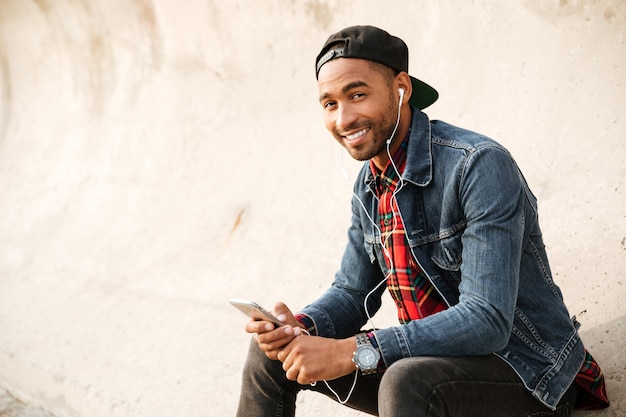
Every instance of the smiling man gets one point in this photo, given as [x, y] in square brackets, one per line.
[443, 219]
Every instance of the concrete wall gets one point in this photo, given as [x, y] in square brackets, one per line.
[159, 157]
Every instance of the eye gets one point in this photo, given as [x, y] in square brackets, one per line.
[329, 104]
[357, 96]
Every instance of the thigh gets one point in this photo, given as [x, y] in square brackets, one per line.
[456, 386]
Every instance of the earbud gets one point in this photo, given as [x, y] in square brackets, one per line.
[401, 91]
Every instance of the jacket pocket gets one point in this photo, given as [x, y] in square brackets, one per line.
[447, 256]
[530, 336]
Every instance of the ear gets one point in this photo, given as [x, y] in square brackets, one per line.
[403, 81]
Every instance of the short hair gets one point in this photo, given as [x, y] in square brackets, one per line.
[386, 71]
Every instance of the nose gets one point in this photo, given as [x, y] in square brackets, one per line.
[345, 117]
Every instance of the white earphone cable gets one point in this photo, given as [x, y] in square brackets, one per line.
[382, 243]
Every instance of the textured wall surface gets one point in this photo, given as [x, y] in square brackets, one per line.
[158, 157]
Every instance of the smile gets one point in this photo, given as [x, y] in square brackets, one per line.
[356, 135]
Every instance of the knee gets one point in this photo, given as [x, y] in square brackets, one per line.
[413, 373]
[395, 376]
[407, 388]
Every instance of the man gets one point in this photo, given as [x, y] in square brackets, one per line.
[443, 219]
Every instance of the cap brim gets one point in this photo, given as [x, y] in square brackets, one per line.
[423, 94]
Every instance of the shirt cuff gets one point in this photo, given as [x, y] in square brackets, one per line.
[307, 323]
[381, 363]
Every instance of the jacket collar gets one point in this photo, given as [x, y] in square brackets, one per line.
[419, 158]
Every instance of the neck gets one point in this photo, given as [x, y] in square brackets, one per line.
[380, 161]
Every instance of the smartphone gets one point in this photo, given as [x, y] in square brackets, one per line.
[255, 311]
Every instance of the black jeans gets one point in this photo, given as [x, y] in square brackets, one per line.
[418, 387]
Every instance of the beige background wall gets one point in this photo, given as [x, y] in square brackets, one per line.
[160, 157]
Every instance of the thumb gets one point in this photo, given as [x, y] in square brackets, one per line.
[284, 314]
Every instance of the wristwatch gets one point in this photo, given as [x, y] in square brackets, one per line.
[365, 356]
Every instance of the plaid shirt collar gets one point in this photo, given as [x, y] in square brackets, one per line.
[388, 178]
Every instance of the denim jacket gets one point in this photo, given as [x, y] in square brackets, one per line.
[471, 222]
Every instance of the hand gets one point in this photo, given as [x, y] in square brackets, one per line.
[311, 358]
[271, 340]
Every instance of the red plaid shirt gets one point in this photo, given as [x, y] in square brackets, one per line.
[415, 296]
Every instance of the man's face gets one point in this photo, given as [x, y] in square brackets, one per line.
[360, 109]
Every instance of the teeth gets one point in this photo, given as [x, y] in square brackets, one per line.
[356, 135]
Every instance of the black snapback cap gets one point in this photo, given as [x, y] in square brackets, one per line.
[374, 44]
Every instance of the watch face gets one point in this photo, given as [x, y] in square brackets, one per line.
[367, 357]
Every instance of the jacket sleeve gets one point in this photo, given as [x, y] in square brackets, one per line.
[492, 198]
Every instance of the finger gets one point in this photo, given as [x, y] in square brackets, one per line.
[273, 349]
[301, 376]
[280, 308]
[304, 381]
[291, 371]
[278, 337]
[271, 355]
[259, 326]
[284, 314]
[295, 373]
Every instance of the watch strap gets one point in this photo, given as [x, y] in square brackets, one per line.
[362, 340]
